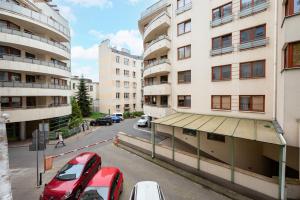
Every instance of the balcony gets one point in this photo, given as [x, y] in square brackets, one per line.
[252, 9]
[221, 51]
[254, 43]
[37, 112]
[158, 67]
[221, 21]
[184, 8]
[11, 62]
[157, 89]
[157, 25]
[154, 8]
[158, 46]
[35, 17]
[157, 111]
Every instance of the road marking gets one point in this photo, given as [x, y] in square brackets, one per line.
[139, 129]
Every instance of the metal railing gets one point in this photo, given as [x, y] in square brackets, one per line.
[17, 84]
[220, 21]
[220, 51]
[157, 105]
[184, 8]
[34, 37]
[157, 62]
[16, 58]
[156, 18]
[155, 7]
[35, 107]
[20, 10]
[157, 83]
[162, 37]
[254, 43]
[254, 8]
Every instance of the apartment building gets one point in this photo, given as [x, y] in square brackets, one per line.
[221, 76]
[120, 77]
[34, 65]
[92, 88]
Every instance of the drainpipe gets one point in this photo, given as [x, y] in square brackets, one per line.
[153, 138]
[282, 165]
[275, 59]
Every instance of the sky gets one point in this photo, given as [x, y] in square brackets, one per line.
[92, 21]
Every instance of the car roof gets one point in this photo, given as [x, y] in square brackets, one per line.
[104, 177]
[147, 190]
[82, 158]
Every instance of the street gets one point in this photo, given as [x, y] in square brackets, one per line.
[23, 166]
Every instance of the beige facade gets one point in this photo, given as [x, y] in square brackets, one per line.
[226, 58]
[35, 65]
[120, 78]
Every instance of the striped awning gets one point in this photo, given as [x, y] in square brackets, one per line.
[251, 129]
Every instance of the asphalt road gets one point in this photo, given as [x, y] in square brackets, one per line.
[175, 187]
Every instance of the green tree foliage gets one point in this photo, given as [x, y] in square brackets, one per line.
[83, 99]
[76, 116]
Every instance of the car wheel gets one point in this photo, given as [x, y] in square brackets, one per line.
[77, 194]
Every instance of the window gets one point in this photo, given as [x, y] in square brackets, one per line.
[164, 100]
[126, 61]
[117, 71]
[252, 34]
[292, 7]
[252, 103]
[134, 106]
[184, 52]
[184, 76]
[5, 50]
[184, 27]
[126, 95]
[91, 88]
[118, 95]
[221, 73]
[222, 11]
[222, 41]
[255, 69]
[134, 85]
[11, 102]
[149, 81]
[221, 102]
[134, 63]
[117, 107]
[74, 86]
[184, 101]
[189, 132]
[117, 59]
[134, 95]
[163, 79]
[215, 137]
[133, 74]
[126, 73]
[182, 3]
[29, 55]
[292, 55]
[126, 84]
[117, 83]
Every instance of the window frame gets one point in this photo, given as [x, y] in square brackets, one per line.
[290, 8]
[251, 66]
[252, 33]
[184, 47]
[288, 56]
[221, 8]
[221, 105]
[185, 106]
[184, 82]
[251, 103]
[221, 74]
[184, 23]
[221, 41]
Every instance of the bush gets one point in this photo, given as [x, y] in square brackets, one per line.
[138, 114]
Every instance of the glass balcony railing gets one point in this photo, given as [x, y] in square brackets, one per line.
[162, 37]
[220, 21]
[17, 84]
[221, 51]
[155, 7]
[184, 8]
[254, 43]
[157, 62]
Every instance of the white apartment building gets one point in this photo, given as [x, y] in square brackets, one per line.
[229, 70]
[34, 65]
[92, 88]
[120, 77]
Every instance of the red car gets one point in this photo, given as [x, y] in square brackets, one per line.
[107, 184]
[72, 179]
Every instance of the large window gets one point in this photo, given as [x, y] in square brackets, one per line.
[184, 101]
[117, 71]
[126, 61]
[184, 27]
[164, 101]
[126, 73]
[252, 103]
[11, 102]
[118, 95]
[252, 34]
[222, 11]
[221, 73]
[292, 7]
[5, 50]
[184, 52]
[184, 76]
[10, 76]
[255, 69]
[182, 3]
[221, 102]
[222, 41]
[292, 55]
[126, 95]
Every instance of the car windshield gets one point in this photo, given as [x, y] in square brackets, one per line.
[119, 115]
[95, 193]
[143, 117]
[70, 172]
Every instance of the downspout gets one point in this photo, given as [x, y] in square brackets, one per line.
[275, 60]
[282, 165]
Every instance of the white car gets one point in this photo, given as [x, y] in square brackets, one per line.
[143, 121]
[119, 115]
[146, 190]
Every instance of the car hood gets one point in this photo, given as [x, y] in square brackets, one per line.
[142, 120]
[58, 188]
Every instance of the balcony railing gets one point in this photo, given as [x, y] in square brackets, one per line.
[184, 8]
[20, 10]
[220, 21]
[162, 37]
[34, 61]
[34, 37]
[17, 84]
[254, 8]
[155, 7]
[156, 18]
[254, 43]
[221, 51]
[157, 105]
[157, 62]
[35, 107]
[157, 83]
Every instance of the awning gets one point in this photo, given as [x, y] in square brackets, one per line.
[251, 129]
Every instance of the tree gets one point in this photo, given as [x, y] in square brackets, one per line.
[76, 116]
[83, 98]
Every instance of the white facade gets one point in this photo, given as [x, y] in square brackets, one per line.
[35, 65]
[120, 78]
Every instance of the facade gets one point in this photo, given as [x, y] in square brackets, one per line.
[34, 65]
[238, 59]
[120, 77]
[93, 90]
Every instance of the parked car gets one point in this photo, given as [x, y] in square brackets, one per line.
[119, 115]
[102, 121]
[146, 190]
[107, 184]
[72, 179]
[143, 121]
[115, 119]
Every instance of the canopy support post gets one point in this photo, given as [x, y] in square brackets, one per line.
[232, 154]
[173, 143]
[282, 162]
[153, 138]
[198, 150]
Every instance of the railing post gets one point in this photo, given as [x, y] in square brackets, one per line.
[173, 143]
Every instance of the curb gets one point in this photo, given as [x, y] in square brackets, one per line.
[197, 179]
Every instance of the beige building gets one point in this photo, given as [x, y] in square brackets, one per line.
[34, 65]
[120, 77]
[236, 64]
[92, 88]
